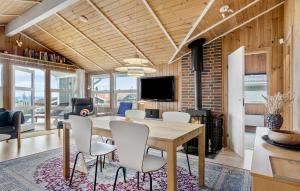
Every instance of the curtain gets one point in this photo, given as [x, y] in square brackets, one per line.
[80, 83]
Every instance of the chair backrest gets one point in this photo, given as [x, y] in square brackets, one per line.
[135, 114]
[124, 106]
[79, 104]
[130, 139]
[82, 132]
[175, 116]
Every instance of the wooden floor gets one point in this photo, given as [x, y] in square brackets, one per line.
[9, 150]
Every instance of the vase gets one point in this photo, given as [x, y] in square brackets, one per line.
[274, 121]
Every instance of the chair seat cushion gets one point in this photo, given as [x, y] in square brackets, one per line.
[7, 129]
[153, 163]
[98, 148]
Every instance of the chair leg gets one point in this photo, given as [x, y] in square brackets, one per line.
[95, 181]
[103, 161]
[138, 180]
[187, 158]
[147, 151]
[116, 178]
[100, 163]
[162, 153]
[124, 174]
[144, 175]
[73, 170]
[150, 181]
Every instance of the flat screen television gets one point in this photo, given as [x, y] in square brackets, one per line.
[158, 88]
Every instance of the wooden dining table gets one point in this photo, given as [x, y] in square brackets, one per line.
[166, 136]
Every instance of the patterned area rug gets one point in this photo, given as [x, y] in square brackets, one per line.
[42, 171]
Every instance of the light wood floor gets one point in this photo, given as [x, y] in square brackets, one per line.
[9, 150]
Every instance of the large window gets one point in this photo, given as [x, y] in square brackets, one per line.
[125, 89]
[62, 90]
[101, 90]
[29, 93]
[1, 86]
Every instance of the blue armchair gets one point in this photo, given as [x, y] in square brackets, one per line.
[123, 107]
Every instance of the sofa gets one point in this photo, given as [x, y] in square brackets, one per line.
[10, 122]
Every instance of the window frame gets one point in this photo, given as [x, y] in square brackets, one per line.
[130, 91]
[93, 91]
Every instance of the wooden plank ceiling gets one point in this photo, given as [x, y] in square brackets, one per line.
[116, 29]
[10, 9]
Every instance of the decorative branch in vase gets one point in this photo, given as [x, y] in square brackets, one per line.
[274, 105]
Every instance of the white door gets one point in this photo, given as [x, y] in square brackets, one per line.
[236, 110]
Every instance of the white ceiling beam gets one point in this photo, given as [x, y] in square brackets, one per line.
[196, 23]
[160, 24]
[246, 22]
[72, 49]
[88, 39]
[36, 14]
[221, 21]
[117, 29]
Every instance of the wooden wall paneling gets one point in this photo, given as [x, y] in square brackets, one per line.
[256, 63]
[167, 70]
[48, 99]
[255, 109]
[247, 36]
[7, 75]
[291, 59]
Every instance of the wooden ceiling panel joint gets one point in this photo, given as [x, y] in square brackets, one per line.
[99, 11]
[246, 22]
[89, 39]
[195, 24]
[221, 21]
[69, 47]
[160, 23]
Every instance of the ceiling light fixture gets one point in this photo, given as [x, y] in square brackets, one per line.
[225, 9]
[136, 66]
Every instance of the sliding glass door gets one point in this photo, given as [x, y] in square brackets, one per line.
[29, 94]
[62, 90]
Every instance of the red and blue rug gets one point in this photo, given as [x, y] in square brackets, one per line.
[43, 171]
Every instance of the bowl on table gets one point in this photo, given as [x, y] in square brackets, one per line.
[284, 137]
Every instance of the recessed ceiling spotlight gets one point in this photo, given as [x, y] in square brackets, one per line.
[225, 9]
[83, 19]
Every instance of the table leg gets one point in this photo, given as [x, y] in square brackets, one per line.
[171, 167]
[201, 159]
[66, 152]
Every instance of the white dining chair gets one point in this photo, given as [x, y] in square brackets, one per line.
[82, 133]
[134, 136]
[180, 117]
[135, 114]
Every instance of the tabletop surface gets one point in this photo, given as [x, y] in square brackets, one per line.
[157, 128]
[261, 164]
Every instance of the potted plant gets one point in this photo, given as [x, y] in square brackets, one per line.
[274, 105]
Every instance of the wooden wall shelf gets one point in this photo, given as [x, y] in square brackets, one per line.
[26, 61]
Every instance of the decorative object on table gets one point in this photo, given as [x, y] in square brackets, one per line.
[271, 142]
[284, 137]
[274, 105]
[84, 112]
